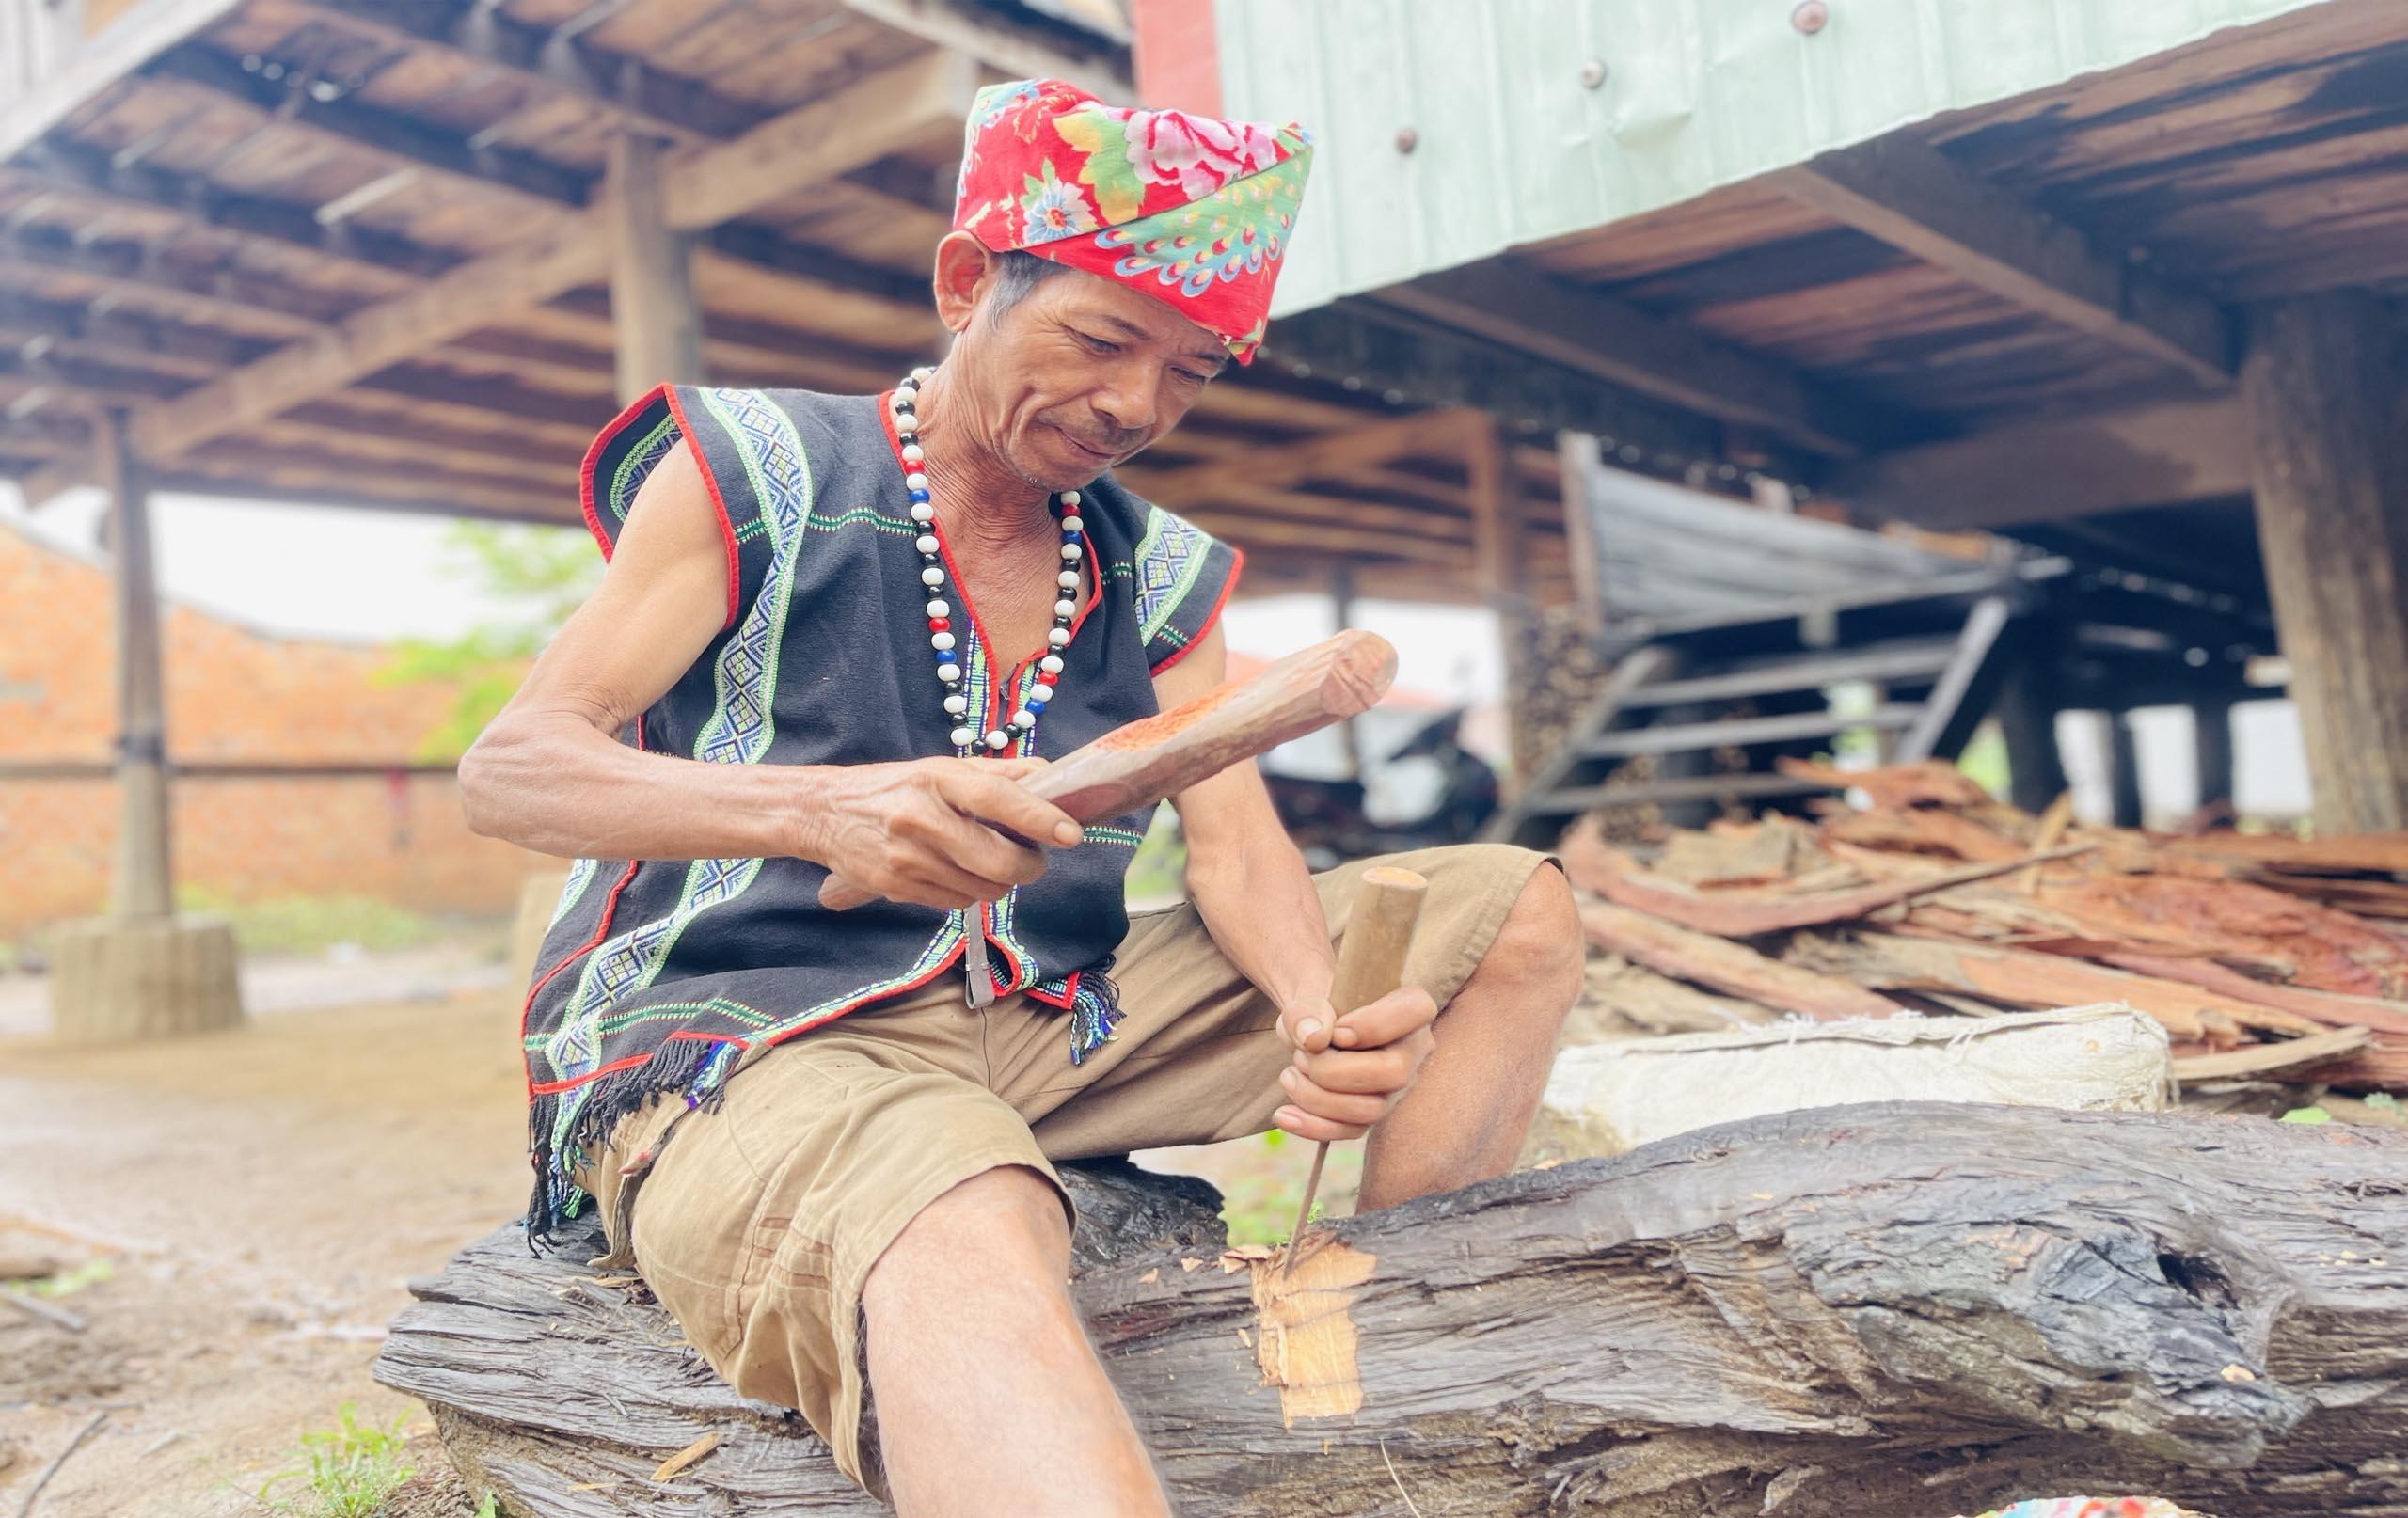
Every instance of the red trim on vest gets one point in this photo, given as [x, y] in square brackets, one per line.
[718, 503]
[1237, 567]
[601, 931]
[593, 459]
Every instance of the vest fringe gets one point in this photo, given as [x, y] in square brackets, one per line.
[1095, 1011]
[697, 1071]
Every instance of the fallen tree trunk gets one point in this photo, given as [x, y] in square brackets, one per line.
[1905, 1310]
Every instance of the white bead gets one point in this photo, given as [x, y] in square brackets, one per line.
[914, 453]
[941, 642]
[998, 739]
[1064, 609]
[961, 737]
[940, 608]
[923, 375]
[1068, 579]
[932, 575]
[1024, 717]
[926, 544]
[957, 704]
[1072, 526]
[1051, 663]
[948, 673]
[923, 511]
[915, 481]
[906, 423]
[1058, 637]
[1070, 497]
[1071, 551]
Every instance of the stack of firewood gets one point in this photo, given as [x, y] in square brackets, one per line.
[2264, 955]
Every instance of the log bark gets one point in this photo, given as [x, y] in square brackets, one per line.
[1905, 1310]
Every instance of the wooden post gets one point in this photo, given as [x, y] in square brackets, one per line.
[2321, 382]
[2124, 769]
[2211, 742]
[1341, 612]
[1577, 455]
[144, 886]
[142, 971]
[654, 313]
[1500, 554]
[2026, 708]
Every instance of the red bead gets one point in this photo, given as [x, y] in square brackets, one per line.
[1045, 679]
[940, 625]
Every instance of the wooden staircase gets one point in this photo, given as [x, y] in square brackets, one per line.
[1738, 635]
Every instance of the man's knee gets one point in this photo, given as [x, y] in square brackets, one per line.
[1541, 947]
[1010, 1219]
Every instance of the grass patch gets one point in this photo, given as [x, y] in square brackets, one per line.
[312, 924]
[348, 1471]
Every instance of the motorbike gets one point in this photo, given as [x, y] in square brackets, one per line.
[1330, 821]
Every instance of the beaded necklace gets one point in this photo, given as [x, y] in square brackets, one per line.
[1022, 723]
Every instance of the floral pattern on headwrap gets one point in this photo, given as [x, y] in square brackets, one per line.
[1185, 209]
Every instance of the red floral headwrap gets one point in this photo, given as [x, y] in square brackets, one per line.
[1192, 211]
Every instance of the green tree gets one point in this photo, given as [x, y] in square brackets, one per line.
[538, 574]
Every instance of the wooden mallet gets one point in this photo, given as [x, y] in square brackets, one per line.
[1370, 964]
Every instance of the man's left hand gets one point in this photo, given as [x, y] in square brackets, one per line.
[1350, 1071]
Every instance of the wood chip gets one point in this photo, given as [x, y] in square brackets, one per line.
[2283, 1054]
[693, 1452]
[1191, 1264]
[1150, 1277]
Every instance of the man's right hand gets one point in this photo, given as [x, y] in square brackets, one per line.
[935, 833]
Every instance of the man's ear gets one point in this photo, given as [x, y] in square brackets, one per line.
[963, 264]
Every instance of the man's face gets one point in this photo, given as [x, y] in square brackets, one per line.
[1080, 374]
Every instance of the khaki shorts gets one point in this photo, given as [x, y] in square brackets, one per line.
[758, 1224]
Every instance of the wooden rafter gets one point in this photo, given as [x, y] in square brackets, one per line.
[2156, 455]
[148, 28]
[999, 45]
[1534, 313]
[1315, 457]
[849, 127]
[1914, 198]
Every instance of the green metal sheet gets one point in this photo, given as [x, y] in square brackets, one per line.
[1511, 146]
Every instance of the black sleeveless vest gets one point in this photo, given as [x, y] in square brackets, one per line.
[660, 975]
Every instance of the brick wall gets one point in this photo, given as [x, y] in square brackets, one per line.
[233, 694]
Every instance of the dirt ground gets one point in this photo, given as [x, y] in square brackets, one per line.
[261, 1198]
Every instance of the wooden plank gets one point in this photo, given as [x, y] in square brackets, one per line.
[1540, 797]
[2321, 382]
[1904, 662]
[1733, 787]
[654, 315]
[1316, 456]
[1914, 198]
[1534, 312]
[2111, 461]
[140, 34]
[1939, 709]
[1670, 949]
[848, 128]
[1680, 738]
[1580, 454]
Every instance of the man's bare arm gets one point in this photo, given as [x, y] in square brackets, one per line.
[550, 773]
[1257, 898]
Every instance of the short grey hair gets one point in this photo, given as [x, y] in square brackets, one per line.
[1017, 273]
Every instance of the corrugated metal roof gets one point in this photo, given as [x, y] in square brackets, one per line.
[1511, 144]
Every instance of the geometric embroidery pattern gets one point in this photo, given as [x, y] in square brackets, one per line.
[1169, 558]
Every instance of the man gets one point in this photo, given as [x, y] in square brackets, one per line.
[833, 632]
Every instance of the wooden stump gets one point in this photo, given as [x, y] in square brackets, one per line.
[1893, 1311]
[143, 977]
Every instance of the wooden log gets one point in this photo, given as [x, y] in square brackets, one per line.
[1717, 962]
[1143, 761]
[1890, 1311]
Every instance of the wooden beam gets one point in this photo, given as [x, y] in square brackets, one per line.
[149, 28]
[812, 144]
[2322, 381]
[1915, 198]
[1013, 51]
[1580, 455]
[2064, 467]
[655, 318]
[1531, 312]
[1314, 457]
[1382, 351]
